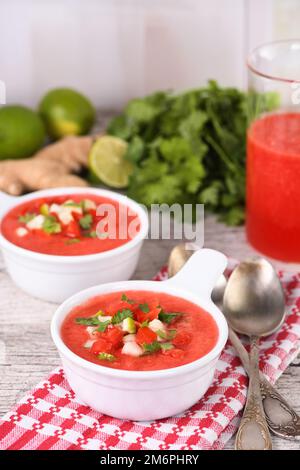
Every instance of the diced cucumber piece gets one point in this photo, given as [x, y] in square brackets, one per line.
[44, 209]
[106, 357]
[129, 325]
[129, 338]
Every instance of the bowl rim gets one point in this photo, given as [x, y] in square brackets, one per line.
[153, 286]
[121, 198]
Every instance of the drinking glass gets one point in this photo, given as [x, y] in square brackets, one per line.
[273, 150]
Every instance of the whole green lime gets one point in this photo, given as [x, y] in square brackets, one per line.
[22, 132]
[66, 112]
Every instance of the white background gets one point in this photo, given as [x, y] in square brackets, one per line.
[116, 49]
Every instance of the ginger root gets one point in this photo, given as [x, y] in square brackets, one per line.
[53, 166]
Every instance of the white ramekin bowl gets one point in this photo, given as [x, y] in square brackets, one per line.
[55, 278]
[148, 395]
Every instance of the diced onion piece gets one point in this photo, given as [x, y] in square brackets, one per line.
[91, 330]
[64, 213]
[21, 231]
[103, 318]
[88, 204]
[132, 349]
[129, 338]
[89, 343]
[36, 223]
[54, 208]
[156, 325]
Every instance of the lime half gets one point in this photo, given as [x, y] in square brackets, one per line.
[107, 162]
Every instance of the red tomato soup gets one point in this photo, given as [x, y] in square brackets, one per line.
[68, 225]
[139, 330]
[273, 188]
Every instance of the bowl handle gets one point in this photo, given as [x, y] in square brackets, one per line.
[201, 272]
[6, 202]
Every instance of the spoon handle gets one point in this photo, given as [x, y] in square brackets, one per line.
[253, 433]
[282, 419]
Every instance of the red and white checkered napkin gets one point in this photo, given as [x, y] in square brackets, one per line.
[51, 417]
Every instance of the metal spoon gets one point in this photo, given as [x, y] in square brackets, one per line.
[281, 417]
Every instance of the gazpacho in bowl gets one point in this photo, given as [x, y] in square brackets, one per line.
[56, 242]
[144, 350]
[66, 225]
[139, 331]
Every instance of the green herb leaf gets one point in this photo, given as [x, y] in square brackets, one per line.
[106, 357]
[51, 225]
[168, 317]
[89, 321]
[103, 325]
[26, 217]
[126, 299]
[191, 146]
[72, 204]
[169, 334]
[145, 323]
[152, 347]
[144, 308]
[166, 346]
[121, 315]
[86, 221]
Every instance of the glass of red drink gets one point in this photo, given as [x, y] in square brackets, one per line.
[273, 151]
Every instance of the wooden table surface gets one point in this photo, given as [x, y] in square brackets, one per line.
[27, 353]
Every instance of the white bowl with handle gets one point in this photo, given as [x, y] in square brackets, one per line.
[155, 394]
[55, 278]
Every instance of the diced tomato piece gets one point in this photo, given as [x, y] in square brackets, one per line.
[93, 213]
[114, 336]
[72, 230]
[101, 346]
[182, 339]
[76, 216]
[151, 315]
[145, 335]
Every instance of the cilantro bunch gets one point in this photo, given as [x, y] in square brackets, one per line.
[190, 147]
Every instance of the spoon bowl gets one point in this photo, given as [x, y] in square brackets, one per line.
[253, 300]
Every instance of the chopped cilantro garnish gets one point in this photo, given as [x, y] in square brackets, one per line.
[168, 317]
[26, 217]
[144, 323]
[72, 204]
[166, 334]
[51, 225]
[103, 325]
[126, 299]
[88, 321]
[121, 315]
[92, 234]
[106, 357]
[166, 346]
[86, 221]
[151, 347]
[144, 307]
